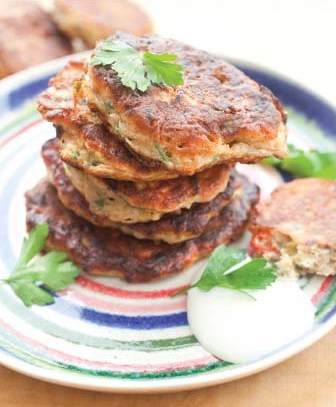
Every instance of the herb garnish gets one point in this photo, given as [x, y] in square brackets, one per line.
[108, 106]
[33, 276]
[162, 152]
[136, 70]
[100, 202]
[255, 274]
[311, 163]
[74, 154]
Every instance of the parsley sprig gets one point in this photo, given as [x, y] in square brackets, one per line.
[136, 70]
[311, 163]
[223, 270]
[33, 276]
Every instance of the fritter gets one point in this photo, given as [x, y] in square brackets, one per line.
[95, 151]
[84, 142]
[56, 103]
[192, 223]
[296, 227]
[109, 252]
[92, 20]
[28, 37]
[218, 115]
[132, 202]
[171, 228]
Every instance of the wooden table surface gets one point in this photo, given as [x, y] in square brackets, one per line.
[307, 380]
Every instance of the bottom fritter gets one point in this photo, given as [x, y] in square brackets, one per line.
[109, 252]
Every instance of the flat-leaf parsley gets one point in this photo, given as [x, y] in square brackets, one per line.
[224, 270]
[136, 70]
[311, 163]
[33, 276]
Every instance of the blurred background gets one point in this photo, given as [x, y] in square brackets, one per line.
[293, 37]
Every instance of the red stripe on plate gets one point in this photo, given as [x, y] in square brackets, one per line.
[118, 292]
[64, 357]
[19, 132]
[138, 308]
[322, 290]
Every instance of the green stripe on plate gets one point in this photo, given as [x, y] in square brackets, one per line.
[22, 115]
[327, 303]
[27, 356]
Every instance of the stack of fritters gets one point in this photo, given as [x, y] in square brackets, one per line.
[141, 185]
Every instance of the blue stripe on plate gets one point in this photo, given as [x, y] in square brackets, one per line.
[18, 96]
[296, 96]
[118, 320]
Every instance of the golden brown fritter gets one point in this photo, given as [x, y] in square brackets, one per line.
[109, 252]
[172, 228]
[296, 227]
[218, 115]
[94, 150]
[56, 103]
[191, 223]
[92, 20]
[84, 142]
[132, 202]
[28, 37]
[69, 196]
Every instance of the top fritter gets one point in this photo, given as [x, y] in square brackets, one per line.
[217, 115]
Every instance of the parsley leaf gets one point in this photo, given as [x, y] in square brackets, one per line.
[33, 245]
[311, 163]
[161, 68]
[253, 275]
[136, 70]
[162, 152]
[100, 202]
[221, 260]
[30, 293]
[32, 275]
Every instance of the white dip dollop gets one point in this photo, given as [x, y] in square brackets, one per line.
[239, 329]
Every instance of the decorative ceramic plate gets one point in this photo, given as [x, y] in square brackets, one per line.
[103, 333]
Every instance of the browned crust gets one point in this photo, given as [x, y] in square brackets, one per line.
[28, 37]
[70, 197]
[303, 210]
[170, 195]
[114, 159]
[110, 252]
[161, 196]
[191, 223]
[92, 20]
[56, 104]
[172, 228]
[217, 105]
